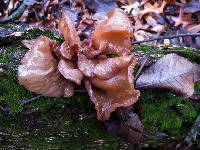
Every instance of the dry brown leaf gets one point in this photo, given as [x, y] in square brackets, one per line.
[127, 125]
[156, 27]
[100, 5]
[141, 35]
[133, 9]
[171, 72]
[139, 25]
[156, 8]
[182, 19]
[193, 28]
[192, 7]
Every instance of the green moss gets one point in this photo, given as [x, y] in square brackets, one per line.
[112, 55]
[79, 103]
[143, 48]
[3, 59]
[197, 86]
[165, 113]
[73, 135]
[33, 33]
[11, 125]
[190, 53]
[8, 25]
[93, 127]
[11, 92]
[60, 134]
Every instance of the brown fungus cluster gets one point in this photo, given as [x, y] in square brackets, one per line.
[52, 69]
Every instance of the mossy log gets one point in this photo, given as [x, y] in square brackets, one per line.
[56, 121]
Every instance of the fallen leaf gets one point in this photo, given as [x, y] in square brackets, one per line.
[156, 27]
[133, 9]
[127, 125]
[182, 19]
[141, 35]
[72, 14]
[197, 41]
[171, 72]
[151, 21]
[29, 2]
[156, 8]
[100, 5]
[193, 28]
[139, 25]
[192, 7]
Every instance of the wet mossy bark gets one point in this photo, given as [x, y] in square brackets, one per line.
[71, 122]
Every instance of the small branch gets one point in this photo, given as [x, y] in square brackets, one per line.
[18, 13]
[146, 57]
[22, 102]
[167, 37]
[15, 15]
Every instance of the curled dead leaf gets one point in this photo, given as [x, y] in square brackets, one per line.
[171, 72]
[182, 19]
[156, 27]
[141, 35]
[156, 8]
[192, 7]
[193, 28]
[133, 9]
[127, 125]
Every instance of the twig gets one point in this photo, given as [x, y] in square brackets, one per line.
[15, 15]
[146, 57]
[167, 37]
[191, 137]
[22, 102]
[20, 10]
[25, 102]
